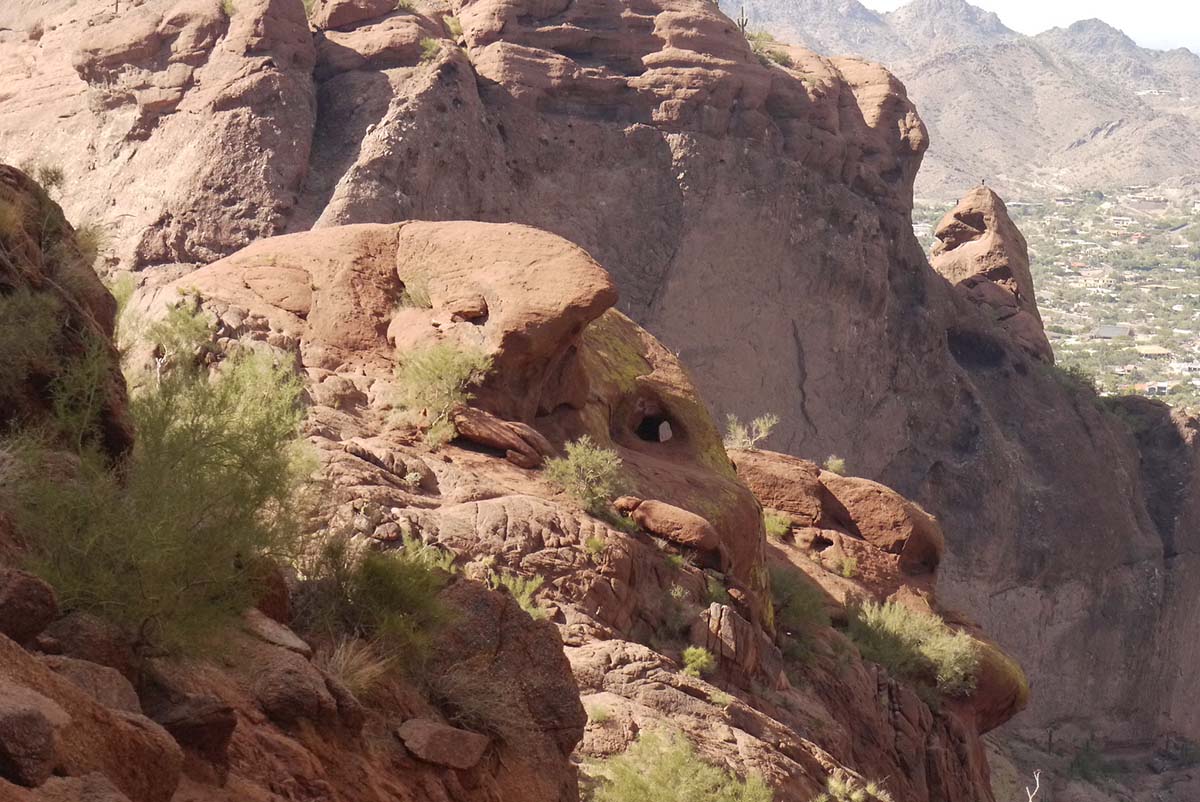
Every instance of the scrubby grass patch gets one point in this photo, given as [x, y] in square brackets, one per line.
[799, 604]
[656, 768]
[356, 663]
[777, 524]
[430, 49]
[389, 598]
[841, 787]
[916, 646]
[522, 589]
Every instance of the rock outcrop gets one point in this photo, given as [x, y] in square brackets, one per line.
[688, 566]
[756, 219]
[983, 254]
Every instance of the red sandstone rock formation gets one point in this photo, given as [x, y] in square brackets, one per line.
[981, 251]
[755, 219]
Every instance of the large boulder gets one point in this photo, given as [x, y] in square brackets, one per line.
[446, 746]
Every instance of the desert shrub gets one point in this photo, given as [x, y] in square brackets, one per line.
[595, 546]
[416, 293]
[404, 5]
[180, 336]
[591, 474]
[761, 43]
[1074, 378]
[739, 435]
[354, 662]
[597, 714]
[430, 49]
[777, 524]
[122, 288]
[915, 645]
[799, 604]
[80, 392]
[50, 176]
[715, 592]
[163, 543]
[436, 379]
[454, 26]
[841, 787]
[29, 329]
[667, 769]
[848, 567]
[522, 589]
[90, 240]
[721, 698]
[389, 598]
[697, 661]
[835, 464]
[309, 5]
[228, 7]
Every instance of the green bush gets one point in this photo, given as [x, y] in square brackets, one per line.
[436, 379]
[848, 567]
[835, 464]
[416, 293]
[916, 646]
[777, 524]
[841, 787]
[389, 598]
[430, 49]
[715, 592]
[591, 474]
[740, 436]
[799, 604]
[454, 26]
[659, 769]
[164, 544]
[698, 661]
[522, 590]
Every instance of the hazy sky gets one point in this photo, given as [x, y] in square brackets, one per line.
[1151, 23]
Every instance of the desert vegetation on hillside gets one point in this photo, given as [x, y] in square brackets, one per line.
[433, 381]
[658, 768]
[589, 473]
[916, 646]
[164, 543]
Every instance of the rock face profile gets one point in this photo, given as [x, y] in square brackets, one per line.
[690, 566]
[753, 221]
[617, 599]
[981, 251]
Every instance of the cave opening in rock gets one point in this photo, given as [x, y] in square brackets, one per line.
[654, 429]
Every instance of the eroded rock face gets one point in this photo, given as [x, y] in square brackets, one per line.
[982, 252]
[749, 214]
[687, 566]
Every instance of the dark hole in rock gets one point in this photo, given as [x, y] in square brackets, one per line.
[655, 429]
[820, 543]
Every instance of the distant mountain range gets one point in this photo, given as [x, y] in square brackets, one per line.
[1082, 107]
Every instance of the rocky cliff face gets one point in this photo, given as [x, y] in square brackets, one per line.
[264, 722]
[755, 218]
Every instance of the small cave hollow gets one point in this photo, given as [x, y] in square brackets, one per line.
[654, 428]
[820, 543]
